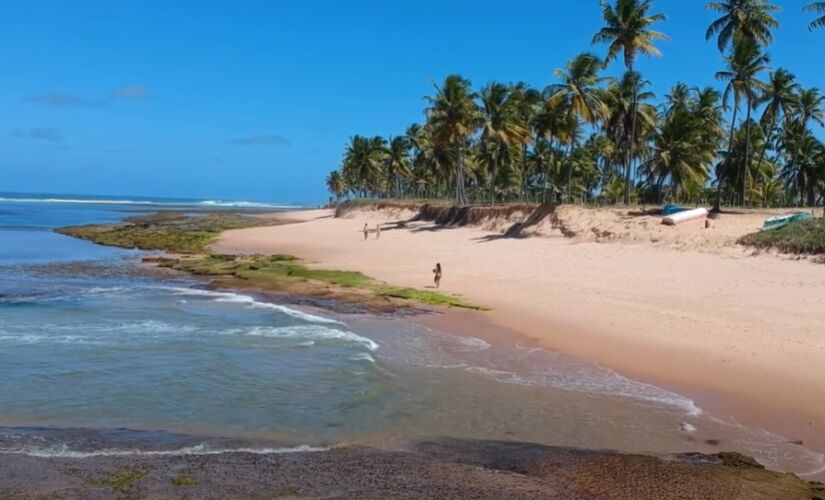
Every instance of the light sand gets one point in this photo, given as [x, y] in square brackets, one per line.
[679, 306]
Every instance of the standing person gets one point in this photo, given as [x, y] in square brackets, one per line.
[377, 231]
[437, 273]
[366, 231]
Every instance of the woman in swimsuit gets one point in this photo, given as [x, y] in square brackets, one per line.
[437, 273]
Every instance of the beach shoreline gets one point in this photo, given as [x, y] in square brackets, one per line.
[571, 311]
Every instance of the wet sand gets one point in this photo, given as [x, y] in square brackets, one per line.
[444, 468]
[741, 334]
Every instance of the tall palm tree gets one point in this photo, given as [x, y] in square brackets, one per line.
[336, 184]
[362, 163]
[805, 171]
[809, 107]
[742, 19]
[743, 66]
[398, 162]
[551, 124]
[680, 153]
[580, 95]
[621, 118]
[502, 127]
[626, 30]
[453, 117]
[679, 98]
[526, 101]
[819, 8]
[779, 98]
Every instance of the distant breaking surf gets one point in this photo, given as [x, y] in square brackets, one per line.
[173, 203]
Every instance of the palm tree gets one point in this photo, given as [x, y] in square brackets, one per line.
[819, 8]
[679, 98]
[626, 30]
[580, 95]
[706, 107]
[398, 162]
[809, 107]
[779, 98]
[551, 123]
[680, 153]
[743, 65]
[453, 117]
[805, 172]
[362, 163]
[622, 115]
[526, 101]
[751, 19]
[336, 184]
[502, 127]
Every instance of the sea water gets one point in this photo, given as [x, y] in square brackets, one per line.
[100, 355]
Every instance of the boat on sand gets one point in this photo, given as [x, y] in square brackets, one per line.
[685, 216]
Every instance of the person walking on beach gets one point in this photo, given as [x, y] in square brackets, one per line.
[366, 230]
[437, 273]
[377, 231]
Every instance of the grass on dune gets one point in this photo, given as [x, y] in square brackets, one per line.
[803, 237]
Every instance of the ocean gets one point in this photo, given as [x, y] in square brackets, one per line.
[100, 355]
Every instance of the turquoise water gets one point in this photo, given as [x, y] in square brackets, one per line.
[101, 355]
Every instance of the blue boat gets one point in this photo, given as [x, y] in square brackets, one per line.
[672, 209]
[783, 220]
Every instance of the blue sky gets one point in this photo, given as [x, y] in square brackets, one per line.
[256, 99]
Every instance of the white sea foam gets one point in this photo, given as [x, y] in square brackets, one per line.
[362, 356]
[247, 204]
[475, 343]
[31, 338]
[88, 201]
[64, 451]
[249, 301]
[686, 427]
[126, 201]
[312, 332]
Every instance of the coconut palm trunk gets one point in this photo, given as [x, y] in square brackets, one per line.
[460, 194]
[746, 168]
[631, 146]
[725, 164]
[570, 172]
[770, 133]
[494, 176]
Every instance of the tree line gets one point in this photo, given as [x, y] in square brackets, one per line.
[593, 139]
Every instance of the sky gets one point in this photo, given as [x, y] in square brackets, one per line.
[255, 100]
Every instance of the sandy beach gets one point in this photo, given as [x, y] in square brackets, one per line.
[682, 307]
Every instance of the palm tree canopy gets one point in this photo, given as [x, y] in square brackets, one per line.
[810, 107]
[362, 162]
[742, 19]
[626, 30]
[502, 121]
[819, 8]
[336, 184]
[743, 65]
[453, 114]
[779, 96]
[578, 89]
[397, 156]
[678, 99]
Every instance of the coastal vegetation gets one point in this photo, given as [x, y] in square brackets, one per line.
[174, 232]
[186, 238]
[803, 237]
[284, 273]
[590, 137]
